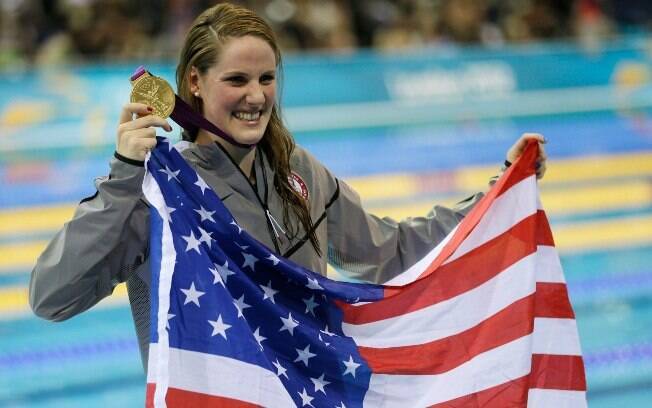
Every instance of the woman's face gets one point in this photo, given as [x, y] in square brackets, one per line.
[239, 91]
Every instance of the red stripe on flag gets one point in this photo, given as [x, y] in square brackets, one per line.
[522, 168]
[454, 278]
[445, 354]
[544, 233]
[149, 395]
[557, 372]
[552, 301]
[510, 394]
[552, 372]
[177, 398]
[511, 323]
[541, 231]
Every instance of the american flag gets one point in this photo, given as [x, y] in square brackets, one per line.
[483, 320]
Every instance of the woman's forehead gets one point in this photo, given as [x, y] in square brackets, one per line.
[238, 53]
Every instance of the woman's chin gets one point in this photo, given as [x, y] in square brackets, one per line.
[248, 136]
[249, 132]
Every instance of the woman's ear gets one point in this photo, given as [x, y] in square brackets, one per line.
[193, 81]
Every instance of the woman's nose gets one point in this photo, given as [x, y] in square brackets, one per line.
[255, 95]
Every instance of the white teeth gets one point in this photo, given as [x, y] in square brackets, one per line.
[247, 115]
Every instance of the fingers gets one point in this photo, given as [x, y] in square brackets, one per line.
[146, 143]
[517, 149]
[542, 153]
[541, 159]
[144, 133]
[135, 143]
[145, 121]
[141, 141]
[129, 110]
[533, 136]
[523, 141]
[135, 137]
[540, 169]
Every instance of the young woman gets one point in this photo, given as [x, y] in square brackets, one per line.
[277, 191]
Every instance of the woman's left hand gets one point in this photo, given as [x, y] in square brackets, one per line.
[517, 149]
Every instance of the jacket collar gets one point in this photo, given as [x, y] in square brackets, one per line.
[218, 163]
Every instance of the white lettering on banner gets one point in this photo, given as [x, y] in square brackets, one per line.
[494, 78]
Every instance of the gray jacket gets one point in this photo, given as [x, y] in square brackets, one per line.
[106, 242]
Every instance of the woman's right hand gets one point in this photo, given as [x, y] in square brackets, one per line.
[137, 136]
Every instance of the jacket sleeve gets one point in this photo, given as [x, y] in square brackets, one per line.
[365, 247]
[101, 246]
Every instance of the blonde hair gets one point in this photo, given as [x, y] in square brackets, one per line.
[210, 30]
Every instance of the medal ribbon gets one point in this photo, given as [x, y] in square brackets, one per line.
[186, 117]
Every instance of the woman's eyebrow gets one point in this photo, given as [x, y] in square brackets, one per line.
[228, 74]
[231, 73]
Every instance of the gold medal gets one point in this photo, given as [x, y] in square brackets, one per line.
[155, 92]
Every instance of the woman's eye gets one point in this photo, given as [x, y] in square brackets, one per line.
[266, 79]
[237, 80]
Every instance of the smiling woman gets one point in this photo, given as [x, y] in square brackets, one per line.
[275, 190]
[239, 91]
[227, 72]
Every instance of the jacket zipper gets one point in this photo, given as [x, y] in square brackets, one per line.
[270, 227]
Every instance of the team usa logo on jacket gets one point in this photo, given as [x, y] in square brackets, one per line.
[298, 185]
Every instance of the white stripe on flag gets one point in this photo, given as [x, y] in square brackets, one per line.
[491, 226]
[511, 207]
[417, 269]
[153, 193]
[494, 367]
[556, 336]
[548, 265]
[538, 398]
[181, 145]
[225, 377]
[451, 316]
